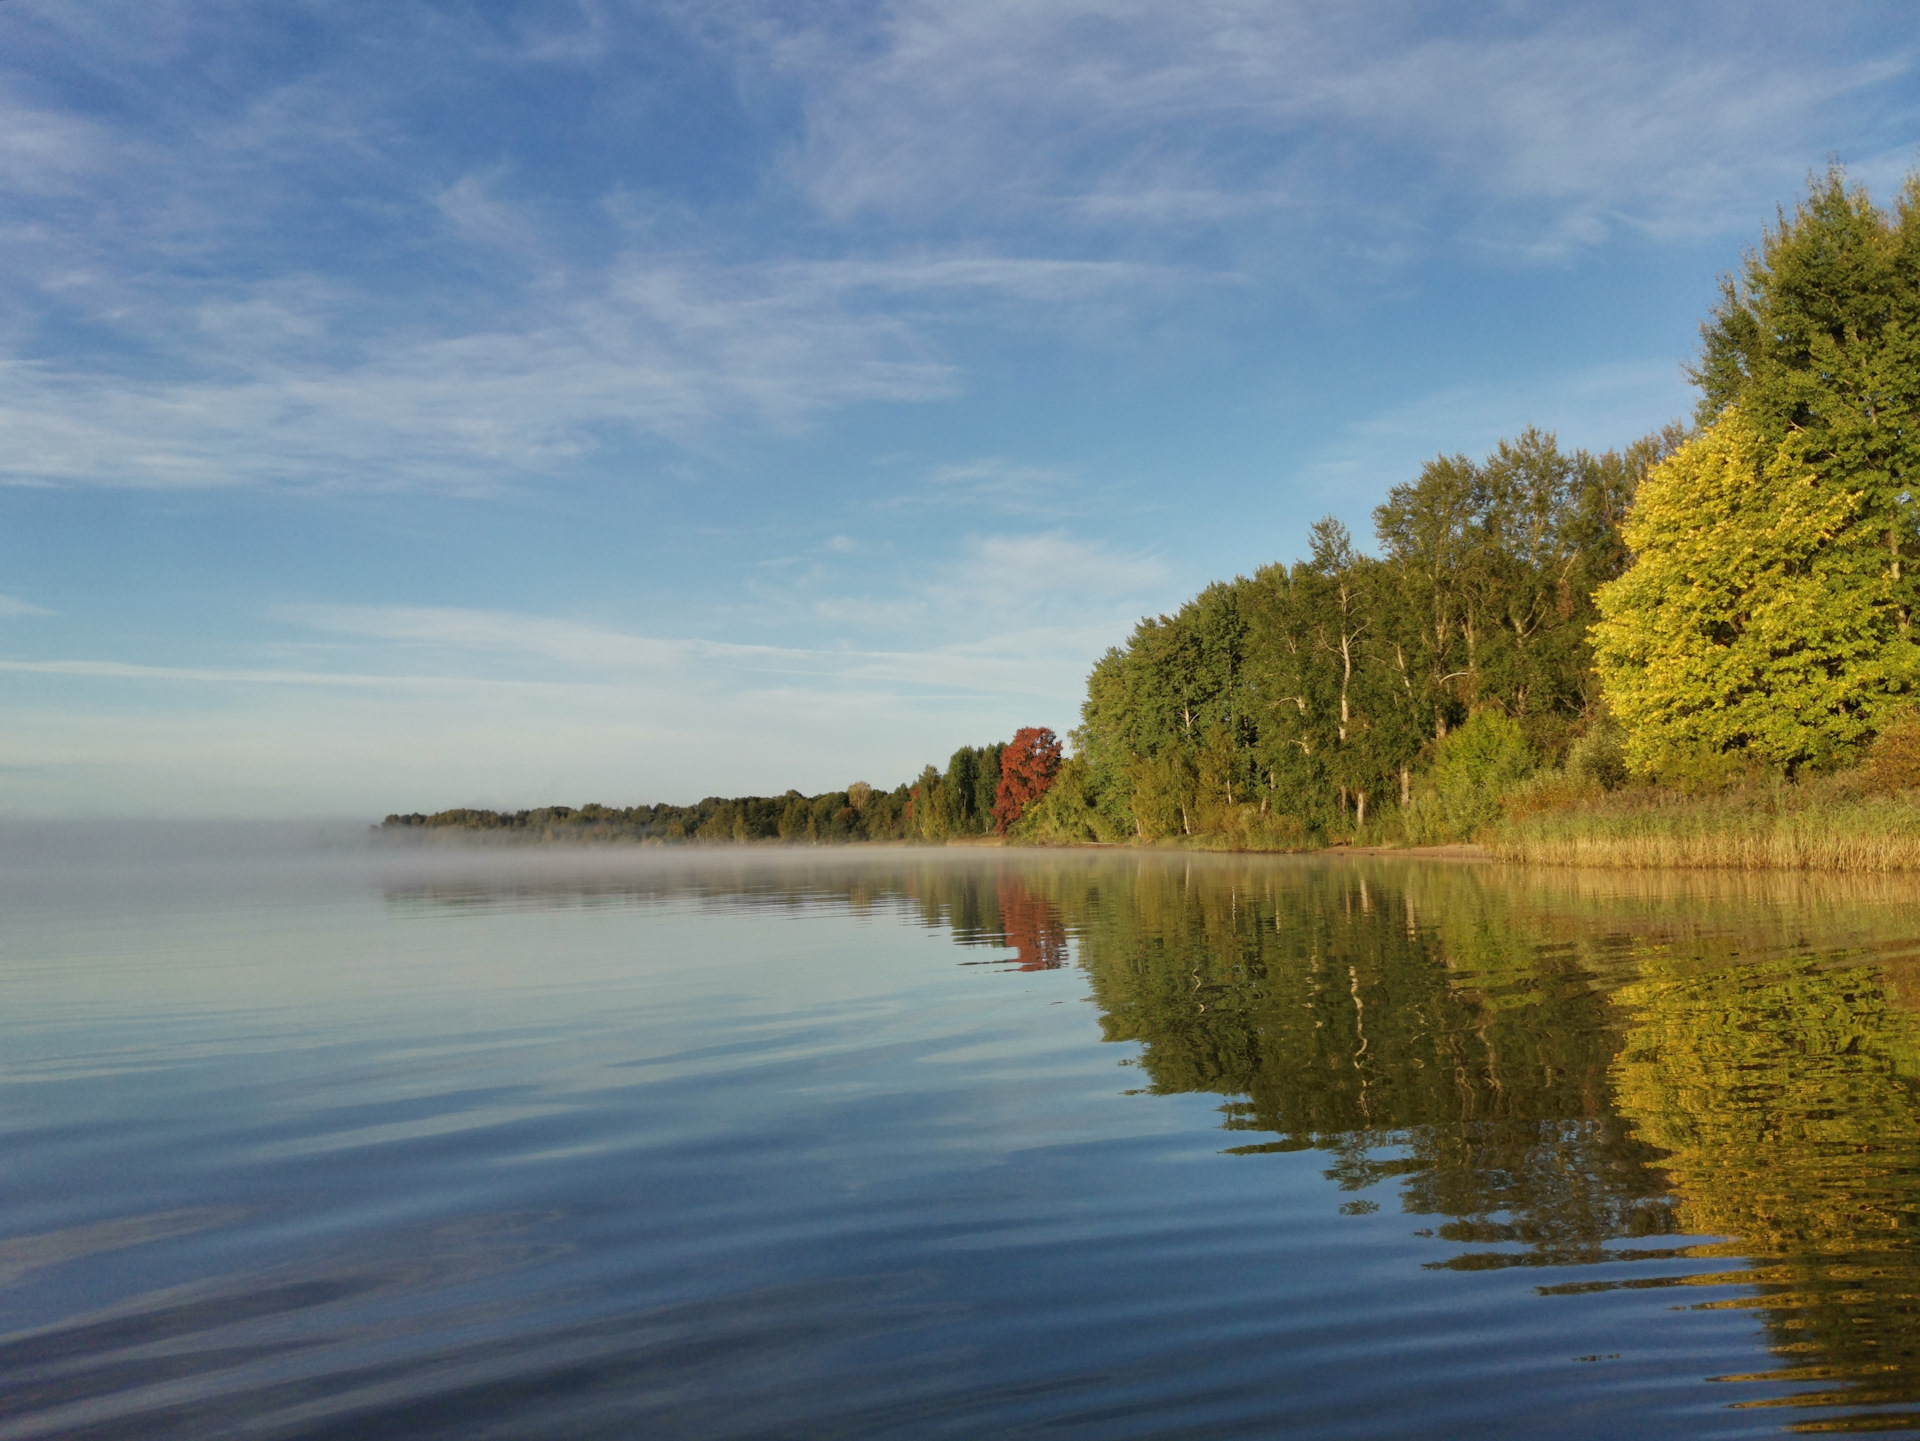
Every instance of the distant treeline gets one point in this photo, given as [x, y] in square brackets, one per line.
[956, 802]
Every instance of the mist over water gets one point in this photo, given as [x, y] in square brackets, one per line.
[309, 1137]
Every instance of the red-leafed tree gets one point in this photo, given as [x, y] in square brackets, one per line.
[1027, 769]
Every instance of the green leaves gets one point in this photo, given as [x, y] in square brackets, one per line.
[1472, 769]
[1760, 614]
[1315, 689]
[1769, 610]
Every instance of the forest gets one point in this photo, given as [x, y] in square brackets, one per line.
[1303, 701]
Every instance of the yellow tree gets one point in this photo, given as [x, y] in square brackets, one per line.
[1760, 615]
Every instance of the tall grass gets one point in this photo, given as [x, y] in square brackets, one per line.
[1834, 823]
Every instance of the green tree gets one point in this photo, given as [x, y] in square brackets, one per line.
[1818, 339]
[928, 813]
[1759, 616]
[1165, 794]
[961, 783]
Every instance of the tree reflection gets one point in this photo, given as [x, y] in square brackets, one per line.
[1555, 1070]
[1783, 1094]
[1031, 926]
[1550, 1065]
[1464, 1060]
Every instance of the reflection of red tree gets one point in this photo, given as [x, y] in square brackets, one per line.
[1032, 928]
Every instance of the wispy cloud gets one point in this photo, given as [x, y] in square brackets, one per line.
[12, 605]
[284, 281]
[994, 484]
[647, 347]
[46, 153]
[241, 676]
[295, 280]
[1582, 119]
[585, 654]
[1012, 568]
[654, 350]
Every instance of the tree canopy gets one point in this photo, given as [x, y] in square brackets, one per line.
[1768, 611]
[1300, 701]
[1759, 615]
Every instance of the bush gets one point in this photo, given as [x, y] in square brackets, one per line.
[1703, 772]
[1473, 768]
[1598, 759]
[1893, 764]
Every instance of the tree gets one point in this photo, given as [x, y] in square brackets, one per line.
[1314, 690]
[1759, 615]
[927, 807]
[987, 785]
[1818, 340]
[962, 780]
[1027, 769]
[1163, 792]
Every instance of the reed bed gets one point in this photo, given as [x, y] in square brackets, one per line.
[1822, 825]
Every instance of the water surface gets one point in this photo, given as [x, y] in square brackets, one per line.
[936, 1143]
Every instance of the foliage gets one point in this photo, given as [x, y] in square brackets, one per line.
[1298, 704]
[1066, 814]
[1597, 760]
[1473, 768]
[1817, 337]
[1894, 762]
[1743, 594]
[1769, 609]
[1757, 617]
[938, 806]
[1027, 769]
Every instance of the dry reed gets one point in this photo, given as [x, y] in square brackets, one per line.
[1821, 825]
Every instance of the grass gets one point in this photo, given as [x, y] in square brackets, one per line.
[1831, 823]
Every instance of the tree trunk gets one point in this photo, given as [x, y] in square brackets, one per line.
[1346, 680]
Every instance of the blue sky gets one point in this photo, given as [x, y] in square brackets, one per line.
[409, 405]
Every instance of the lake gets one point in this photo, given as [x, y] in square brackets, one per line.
[305, 1138]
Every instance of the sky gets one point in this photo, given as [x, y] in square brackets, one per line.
[410, 405]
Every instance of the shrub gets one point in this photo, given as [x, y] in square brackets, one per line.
[1473, 768]
[1598, 759]
[1893, 764]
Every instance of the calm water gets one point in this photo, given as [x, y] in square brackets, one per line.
[928, 1144]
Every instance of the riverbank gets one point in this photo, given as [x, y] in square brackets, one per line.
[1840, 823]
[1832, 823]
[1462, 851]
